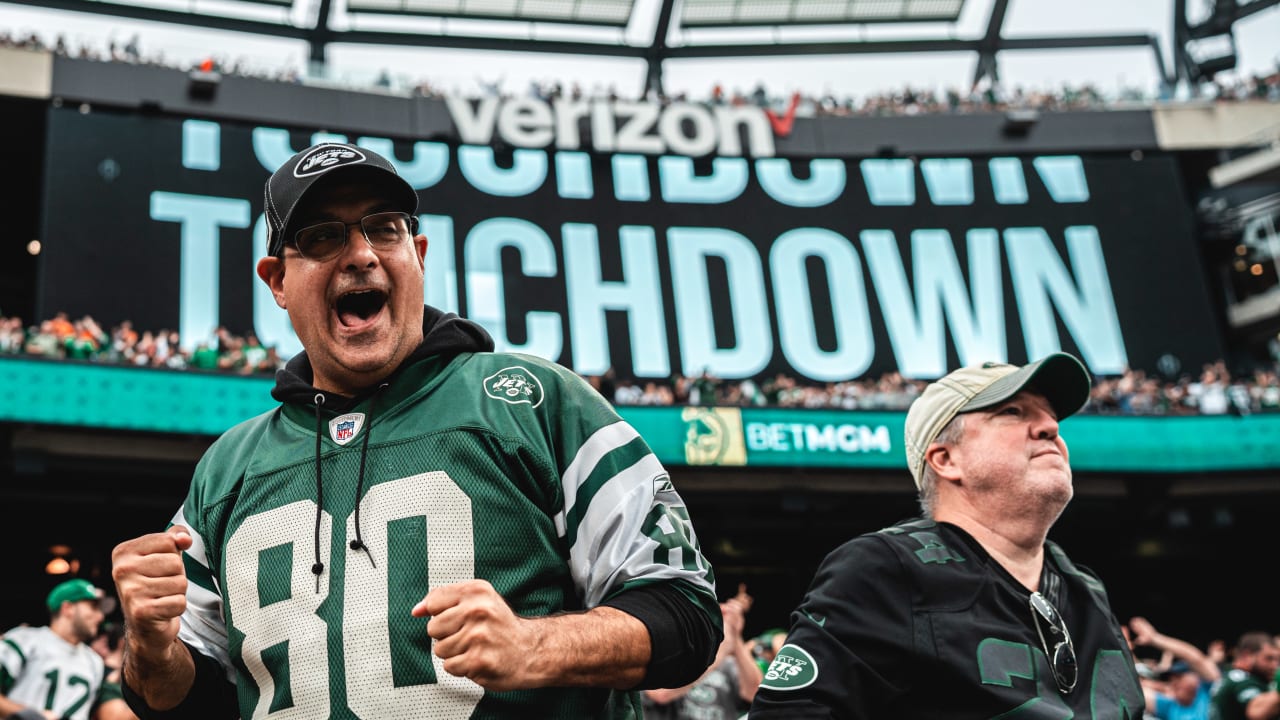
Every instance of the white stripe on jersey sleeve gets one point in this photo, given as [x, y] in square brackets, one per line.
[601, 443]
[202, 626]
[611, 548]
[197, 550]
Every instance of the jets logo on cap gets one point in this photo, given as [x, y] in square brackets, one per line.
[325, 158]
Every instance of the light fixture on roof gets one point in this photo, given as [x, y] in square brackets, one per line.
[1019, 121]
[202, 83]
[61, 562]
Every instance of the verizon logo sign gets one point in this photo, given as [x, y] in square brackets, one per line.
[616, 127]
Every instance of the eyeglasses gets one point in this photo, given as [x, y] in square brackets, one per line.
[1062, 658]
[383, 231]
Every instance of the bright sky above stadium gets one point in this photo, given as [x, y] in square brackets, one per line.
[459, 71]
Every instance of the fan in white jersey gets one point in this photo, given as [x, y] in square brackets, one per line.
[50, 672]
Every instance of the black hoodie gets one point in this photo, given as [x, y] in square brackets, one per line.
[443, 333]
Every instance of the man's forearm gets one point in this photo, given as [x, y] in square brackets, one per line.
[749, 675]
[163, 679]
[1192, 655]
[603, 647]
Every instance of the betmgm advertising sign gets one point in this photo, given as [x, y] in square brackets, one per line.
[656, 264]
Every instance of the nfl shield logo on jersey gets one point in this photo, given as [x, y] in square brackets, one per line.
[344, 428]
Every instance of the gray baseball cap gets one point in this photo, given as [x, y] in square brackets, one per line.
[1061, 378]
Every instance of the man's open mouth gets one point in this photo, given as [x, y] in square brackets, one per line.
[356, 307]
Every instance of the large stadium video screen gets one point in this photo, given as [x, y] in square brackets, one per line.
[822, 268]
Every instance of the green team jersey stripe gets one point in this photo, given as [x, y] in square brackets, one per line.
[601, 443]
[16, 649]
[611, 494]
[195, 560]
[204, 602]
[11, 662]
[632, 460]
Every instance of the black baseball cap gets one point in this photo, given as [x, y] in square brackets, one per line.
[289, 184]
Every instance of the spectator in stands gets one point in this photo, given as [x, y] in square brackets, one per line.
[43, 341]
[50, 672]
[204, 357]
[571, 579]
[656, 394]
[704, 388]
[630, 393]
[765, 646]
[61, 326]
[1133, 392]
[1264, 391]
[109, 643]
[1220, 655]
[1186, 685]
[12, 336]
[1247, 690]
[231, 353]
[272, 362]
[254, 355]
[607, 384]
[1209, 394]
[85, 340]
[956, 613]
[123, 340]
[145, 351]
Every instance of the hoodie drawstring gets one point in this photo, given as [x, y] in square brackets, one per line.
[358, 543]
[318, 568]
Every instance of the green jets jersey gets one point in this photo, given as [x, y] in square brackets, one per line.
[1233, 694]
[503, 467]
[42, 671]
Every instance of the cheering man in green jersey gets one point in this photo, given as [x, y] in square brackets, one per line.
[1247, 690]
[424, 528]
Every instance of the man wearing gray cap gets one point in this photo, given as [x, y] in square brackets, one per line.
[968, 611]
[424, 528]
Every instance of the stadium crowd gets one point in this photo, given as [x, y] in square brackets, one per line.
[1216, 390]
[61, 338]
[985, 97]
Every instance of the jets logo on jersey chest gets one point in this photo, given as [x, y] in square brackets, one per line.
[514, 385]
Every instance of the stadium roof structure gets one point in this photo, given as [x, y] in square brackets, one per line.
[1202, 47]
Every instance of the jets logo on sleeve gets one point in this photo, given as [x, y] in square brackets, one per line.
[792, 668]
[514, 385]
